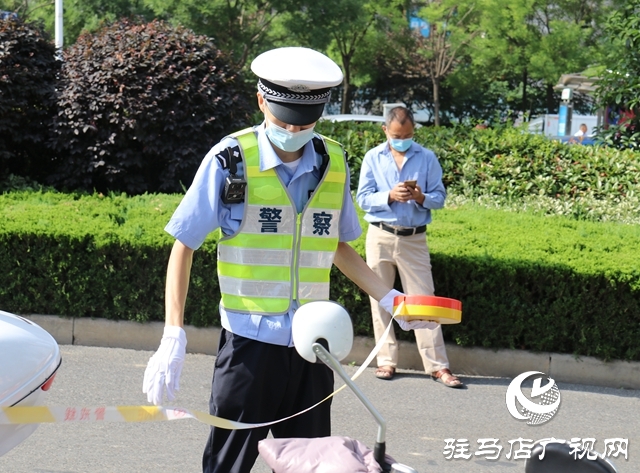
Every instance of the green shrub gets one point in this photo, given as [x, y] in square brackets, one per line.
[141, 104]
[28, 70]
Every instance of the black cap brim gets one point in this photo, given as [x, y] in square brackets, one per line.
[296, 114]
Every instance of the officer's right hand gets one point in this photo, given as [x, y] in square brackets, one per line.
[164, 367]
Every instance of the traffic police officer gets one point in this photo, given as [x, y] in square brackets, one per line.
[280, 195]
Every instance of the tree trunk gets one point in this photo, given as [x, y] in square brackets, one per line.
[436, 101]
[524, 89]
[345, 107]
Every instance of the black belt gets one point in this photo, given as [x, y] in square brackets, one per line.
[400, 231]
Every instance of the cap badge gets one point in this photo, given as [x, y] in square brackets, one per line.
[299, 88]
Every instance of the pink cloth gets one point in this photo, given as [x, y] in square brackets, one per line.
[319, 455]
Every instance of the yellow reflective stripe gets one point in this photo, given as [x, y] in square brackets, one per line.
[265, 188]
[268, 195]
[335, 176]
[258, 240]
[248, 143]
[333, 147]
[252, 171]
[319, 244]
[314, 275]
[334, 187]
[331, 200]
[262, 305]
[243, 271]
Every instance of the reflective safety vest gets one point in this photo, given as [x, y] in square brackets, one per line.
[278, 255]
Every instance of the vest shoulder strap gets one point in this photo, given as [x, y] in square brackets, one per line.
[321, 149]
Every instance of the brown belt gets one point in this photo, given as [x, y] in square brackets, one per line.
[400, 231]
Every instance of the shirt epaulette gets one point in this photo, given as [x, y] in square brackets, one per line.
[229, 158]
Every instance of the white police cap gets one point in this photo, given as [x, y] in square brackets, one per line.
[296, 83]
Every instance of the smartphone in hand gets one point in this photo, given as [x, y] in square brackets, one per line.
[411, 184]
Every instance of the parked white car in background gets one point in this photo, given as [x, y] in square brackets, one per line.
[357, 118]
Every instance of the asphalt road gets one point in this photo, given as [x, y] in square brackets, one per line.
[420, 414]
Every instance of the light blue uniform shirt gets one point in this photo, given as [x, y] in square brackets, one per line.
[202, 211]
[379, 174]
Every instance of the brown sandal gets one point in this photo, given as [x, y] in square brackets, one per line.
[447, 378]
[385, 372]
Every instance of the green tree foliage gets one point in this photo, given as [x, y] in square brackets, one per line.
[535, 41]
[140, 106]
[344, 28]
[620, 77]
[24, 9]
[28, 70]
[452, 27]
[239, 27]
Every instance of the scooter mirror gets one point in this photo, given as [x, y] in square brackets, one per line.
[322, 320]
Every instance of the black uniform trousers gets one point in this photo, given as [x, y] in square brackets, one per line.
[255, 382]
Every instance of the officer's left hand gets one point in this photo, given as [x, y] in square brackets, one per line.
[386, 302]
[411, 323]
[406, 323]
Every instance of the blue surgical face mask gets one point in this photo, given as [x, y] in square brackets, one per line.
[401, 145]
[287, 140]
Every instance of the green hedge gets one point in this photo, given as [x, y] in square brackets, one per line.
[526, 281]
[506, 167]
[540, 283]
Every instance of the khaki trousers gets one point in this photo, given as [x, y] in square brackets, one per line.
[387, 253]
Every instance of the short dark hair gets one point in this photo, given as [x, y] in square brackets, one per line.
[400, 115]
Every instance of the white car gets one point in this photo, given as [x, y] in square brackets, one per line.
[29, 360]
[357, 118]
[353, 118]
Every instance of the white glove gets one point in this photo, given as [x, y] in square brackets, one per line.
[164, 367]
[410, 323]
[405, 323]
[387, 301]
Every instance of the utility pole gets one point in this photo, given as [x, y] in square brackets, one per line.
[58, 27]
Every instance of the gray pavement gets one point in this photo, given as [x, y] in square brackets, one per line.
[470, 361]
[420, 415]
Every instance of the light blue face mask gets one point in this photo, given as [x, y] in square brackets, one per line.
[401, 145]
[287, 140]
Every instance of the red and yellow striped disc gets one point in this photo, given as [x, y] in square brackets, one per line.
[431, 308]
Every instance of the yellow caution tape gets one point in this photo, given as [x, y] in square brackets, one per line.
[46, 415]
